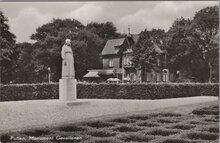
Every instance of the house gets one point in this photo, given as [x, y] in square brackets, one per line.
[117, 63]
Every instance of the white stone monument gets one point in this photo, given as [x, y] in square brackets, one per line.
[67, 84]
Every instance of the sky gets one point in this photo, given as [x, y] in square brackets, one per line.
[25, 17]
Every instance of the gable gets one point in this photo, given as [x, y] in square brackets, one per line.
[112, 46]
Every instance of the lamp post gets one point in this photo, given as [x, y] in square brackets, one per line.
[49, 70]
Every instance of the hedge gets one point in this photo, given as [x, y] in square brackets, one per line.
[109, 91]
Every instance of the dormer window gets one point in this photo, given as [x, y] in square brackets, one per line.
[110, 63]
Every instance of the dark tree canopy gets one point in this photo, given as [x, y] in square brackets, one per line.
[7, 42]
[105, 30]
[144, 55]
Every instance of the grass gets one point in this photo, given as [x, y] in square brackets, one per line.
[201, 126]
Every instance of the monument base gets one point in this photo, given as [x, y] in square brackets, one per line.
[67, 89]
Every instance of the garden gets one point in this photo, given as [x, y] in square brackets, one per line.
[199, 126]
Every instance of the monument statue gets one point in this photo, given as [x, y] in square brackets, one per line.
[67, 84]
[68, 70]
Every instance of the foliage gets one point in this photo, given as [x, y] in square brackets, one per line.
[109, 91]
[31, 61]
[193, 46]
[7, 42]
[144, 54]
[105, 30]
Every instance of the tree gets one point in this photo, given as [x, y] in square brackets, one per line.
[86, 46]
[91, 46]
[205, 27]
[177, 44]
[190, 44]
[23, 63]
[7, 42]
[144, 54]
[105, 30]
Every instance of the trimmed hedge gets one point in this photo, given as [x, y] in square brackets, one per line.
[109, 91]
[14, 92]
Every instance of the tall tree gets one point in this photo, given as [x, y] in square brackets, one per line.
[7, 42]
[205, 26]
[190, 44]
[144, 54]
[23, 62]
[86, 46]
[105, 30]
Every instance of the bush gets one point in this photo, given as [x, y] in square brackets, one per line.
[15, 92]
[71, 128]
[162, 132]
[202, 135]
[99, 124]
[109, 91]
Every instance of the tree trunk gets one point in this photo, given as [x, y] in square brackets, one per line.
[210, 72]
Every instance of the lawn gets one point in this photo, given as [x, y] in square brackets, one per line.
[200, 126]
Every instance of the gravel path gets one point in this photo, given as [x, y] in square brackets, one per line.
[19, 115]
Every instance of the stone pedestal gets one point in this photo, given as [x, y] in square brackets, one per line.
[67, 89]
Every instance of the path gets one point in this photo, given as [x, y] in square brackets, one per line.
[15, 115]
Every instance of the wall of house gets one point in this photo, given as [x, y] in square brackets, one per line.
[115, 59]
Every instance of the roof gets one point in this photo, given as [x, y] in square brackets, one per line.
[111, 46]
[98, 72]
[91, 74]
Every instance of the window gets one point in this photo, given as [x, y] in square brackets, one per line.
[148, 76]
[110, 63]
[165, 75]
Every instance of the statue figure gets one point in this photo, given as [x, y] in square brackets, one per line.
[68, 70]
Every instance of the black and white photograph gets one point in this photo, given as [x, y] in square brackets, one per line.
[109, 72]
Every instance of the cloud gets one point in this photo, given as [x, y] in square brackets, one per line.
[26, 23]
[161, 15]
[139, 15]
[86, 13]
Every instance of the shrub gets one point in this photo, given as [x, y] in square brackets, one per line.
[206, 111]
[5, 138]
[28, 92]
[177, 141]
[146, 90]
[99, 124]
[37, 132]
[148, 124]
[182, 126]
[15, 92]
[162, 132]
[167, 121]
[136, 137]
[139, 117]
[101, 133]
[122, 120]
[71, 128]
[202, 135]
[127, 129]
